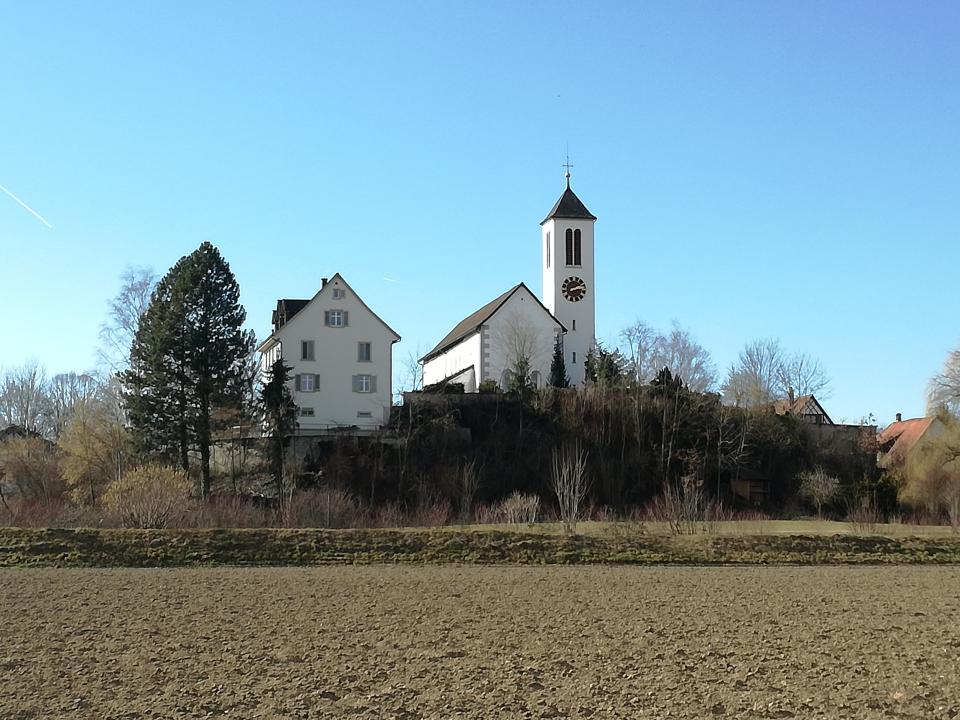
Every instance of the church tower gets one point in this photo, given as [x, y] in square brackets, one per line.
[568, 277]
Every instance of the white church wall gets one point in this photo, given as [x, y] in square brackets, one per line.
[465, 354]
[519, 326]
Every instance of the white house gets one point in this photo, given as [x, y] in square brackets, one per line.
[341, 355]
[485, 344]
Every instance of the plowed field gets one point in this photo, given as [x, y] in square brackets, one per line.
[481, 642]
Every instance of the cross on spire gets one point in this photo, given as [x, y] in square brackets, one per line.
[567, 165]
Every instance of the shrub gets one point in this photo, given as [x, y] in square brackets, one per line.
[33, 465]
[150, 496]
[518, 509]
[325, 507]
[818, 487]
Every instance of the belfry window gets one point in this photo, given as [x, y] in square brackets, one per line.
[569, 244]
[576, 247]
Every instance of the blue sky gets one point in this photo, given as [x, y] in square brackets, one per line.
[761, 169]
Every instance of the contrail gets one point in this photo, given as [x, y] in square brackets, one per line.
[22, 204]
[390, 279]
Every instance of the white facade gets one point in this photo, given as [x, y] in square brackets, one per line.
[341, 355]
[514, 324]
[577, 315]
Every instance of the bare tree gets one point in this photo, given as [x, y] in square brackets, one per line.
[648, 351]
[765, 372]
[756, 377]
[123, 316]
[944, 388]
[641, 343]
[23, 398]
[569, 482]
[686, 358]
[469, 483]
[819, 487]
[805, 375]
[66, 392]
[525, 348]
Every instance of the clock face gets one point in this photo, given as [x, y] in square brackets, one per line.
[573, 289]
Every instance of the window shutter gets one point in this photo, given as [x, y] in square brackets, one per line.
[344, 318]
[316, 382]
[296, 381]
[373, 383]
[356, 383]
[326, 318]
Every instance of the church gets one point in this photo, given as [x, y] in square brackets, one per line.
[486, 344]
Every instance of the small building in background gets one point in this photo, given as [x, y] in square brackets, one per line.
[341, 355]
[900, 439]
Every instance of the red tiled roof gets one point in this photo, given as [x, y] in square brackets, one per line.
[900, 437]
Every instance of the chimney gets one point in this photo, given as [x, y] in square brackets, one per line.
[323, 282]
[899, 417]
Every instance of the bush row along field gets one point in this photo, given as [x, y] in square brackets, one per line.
[618, 545]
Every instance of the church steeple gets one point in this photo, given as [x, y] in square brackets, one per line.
[568, 276]
[569, 206]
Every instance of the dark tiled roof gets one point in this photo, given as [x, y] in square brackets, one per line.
[472, 322]
[286, 309]
[569, 206]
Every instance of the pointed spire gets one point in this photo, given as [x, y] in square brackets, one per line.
[569, 205]
[567, 165]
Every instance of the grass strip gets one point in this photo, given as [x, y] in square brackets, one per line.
[304, 547]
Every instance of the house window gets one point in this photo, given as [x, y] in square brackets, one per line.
[306, 412]
[569, 244]
[335, 318]
[307, 382]
[576, 247]
[363, 352]
[548, 249]
[364, 414]
[339, 294]
[306, 350]
[364, 383]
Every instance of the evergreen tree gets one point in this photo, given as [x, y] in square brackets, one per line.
[187, 359]
[558, 368]
[280, 418]
[604, 368]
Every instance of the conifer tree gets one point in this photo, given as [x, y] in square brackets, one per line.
[280, 418]
[558, 368]
[187, 359]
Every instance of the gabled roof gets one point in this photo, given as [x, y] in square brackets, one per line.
[900, 437]
[569, 206]
[337, 276]
[475, 320]
[803, 405]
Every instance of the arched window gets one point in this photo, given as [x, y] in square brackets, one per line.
[569, 240]
[576, 247]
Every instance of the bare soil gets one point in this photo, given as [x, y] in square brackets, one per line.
[481, 642]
